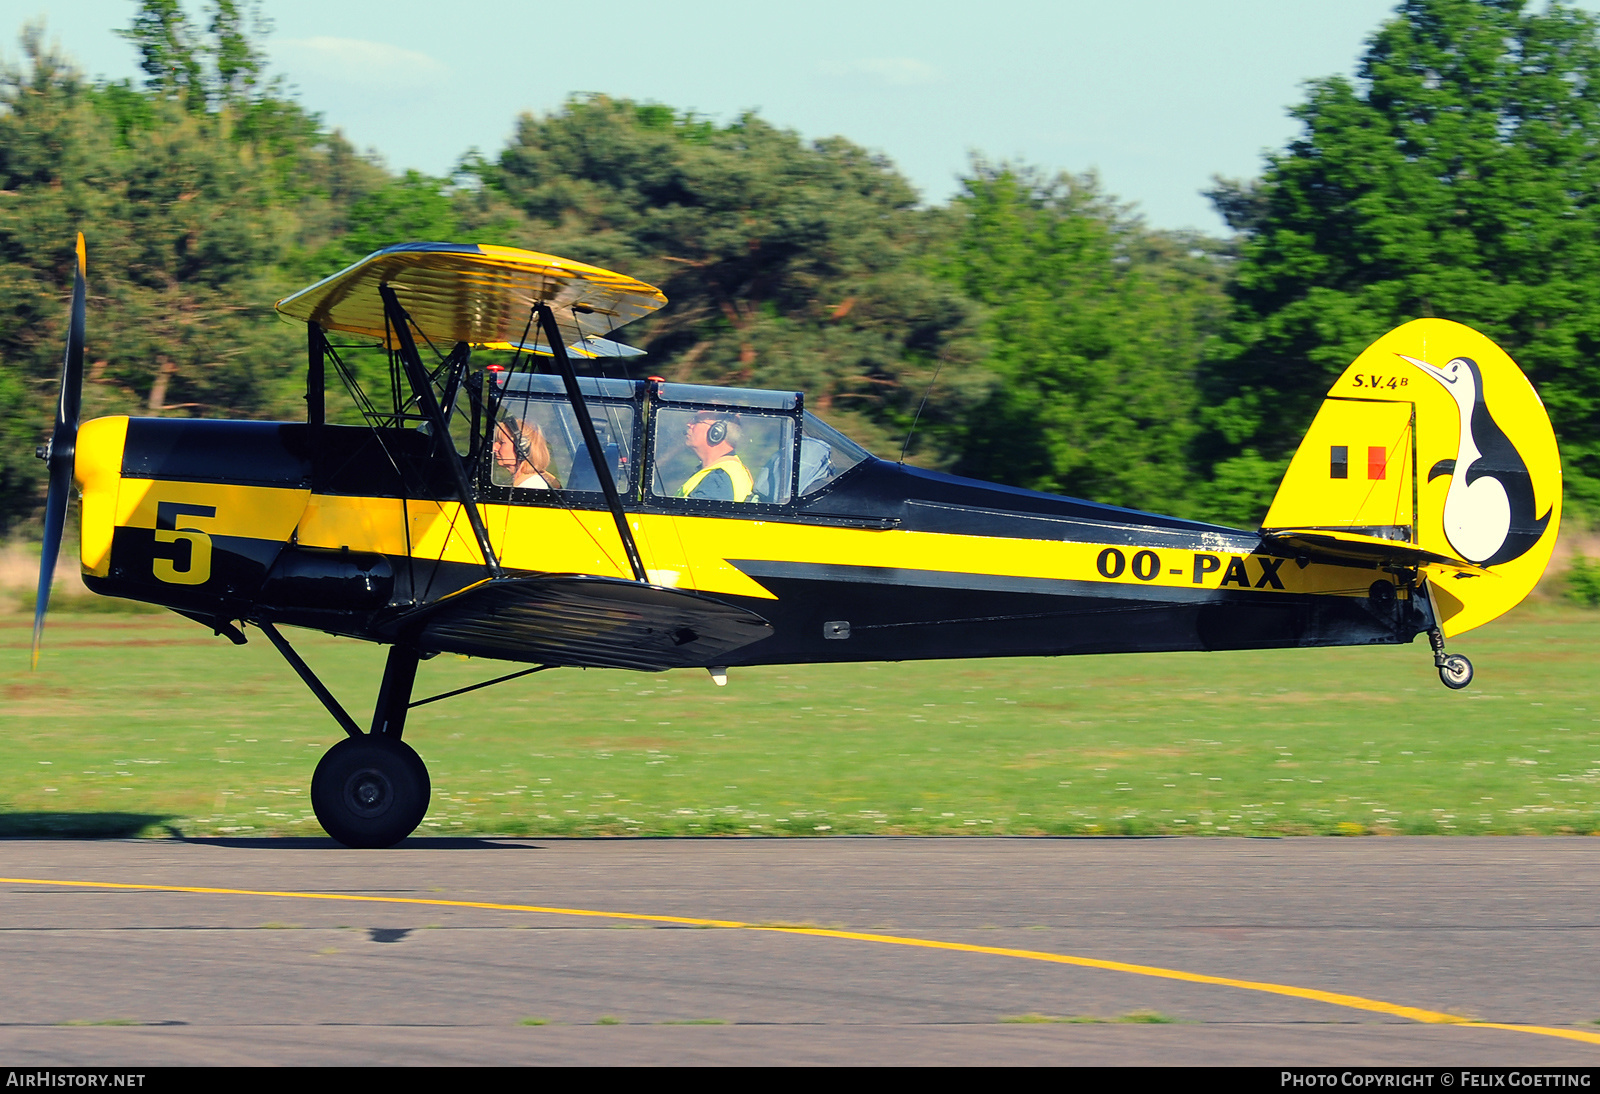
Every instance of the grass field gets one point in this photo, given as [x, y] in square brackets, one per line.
[148, 724]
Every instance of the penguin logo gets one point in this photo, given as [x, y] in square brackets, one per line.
[1489, 508]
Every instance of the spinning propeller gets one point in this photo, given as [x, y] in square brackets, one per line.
[61, 449]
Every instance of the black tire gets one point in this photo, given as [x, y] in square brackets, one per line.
[370, 791]
[1455, 672]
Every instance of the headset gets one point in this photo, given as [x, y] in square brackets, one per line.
[519, 440]
[716, 433]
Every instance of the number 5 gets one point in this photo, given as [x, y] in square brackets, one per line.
[197, 559]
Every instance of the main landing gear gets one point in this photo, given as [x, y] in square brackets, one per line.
[370, 789]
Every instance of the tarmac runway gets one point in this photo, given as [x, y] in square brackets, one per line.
[1296, 952]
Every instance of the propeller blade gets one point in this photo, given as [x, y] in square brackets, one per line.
[63, 448]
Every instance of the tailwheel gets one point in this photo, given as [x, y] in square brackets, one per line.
[370, 791]
[1455, 671]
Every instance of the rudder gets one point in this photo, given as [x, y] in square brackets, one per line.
[1434, 437]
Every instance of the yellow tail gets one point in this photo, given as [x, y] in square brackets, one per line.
[1434, 438]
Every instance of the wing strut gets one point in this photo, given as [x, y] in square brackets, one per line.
[316, 381]
[558, 349]
[423, 386]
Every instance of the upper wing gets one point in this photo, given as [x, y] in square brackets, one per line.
[592, 622]
[470, 292]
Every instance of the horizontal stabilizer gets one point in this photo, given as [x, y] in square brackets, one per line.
[1340, 547]
[580, 621]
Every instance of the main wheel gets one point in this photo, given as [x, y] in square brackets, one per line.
[370, 791]
[1455, 672]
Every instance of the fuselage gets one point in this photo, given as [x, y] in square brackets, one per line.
[346, 529]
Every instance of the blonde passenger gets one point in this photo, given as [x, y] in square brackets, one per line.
[522, 456]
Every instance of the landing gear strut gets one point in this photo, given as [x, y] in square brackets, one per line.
[1455, 671]
[370, 789]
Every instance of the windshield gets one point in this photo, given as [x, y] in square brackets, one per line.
[825, 454]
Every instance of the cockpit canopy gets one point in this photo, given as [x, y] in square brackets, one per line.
[787, 453]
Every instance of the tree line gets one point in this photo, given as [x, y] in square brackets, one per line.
[1058, 341]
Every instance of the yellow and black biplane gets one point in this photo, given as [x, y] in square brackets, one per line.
[527, 513]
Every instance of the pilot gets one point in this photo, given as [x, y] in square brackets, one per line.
[522, 457]
[722, 475]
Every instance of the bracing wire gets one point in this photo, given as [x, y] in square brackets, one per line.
[916, 417]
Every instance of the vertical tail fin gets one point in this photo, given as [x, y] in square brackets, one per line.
[1434, 437]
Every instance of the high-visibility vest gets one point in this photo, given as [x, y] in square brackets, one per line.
[743, 484]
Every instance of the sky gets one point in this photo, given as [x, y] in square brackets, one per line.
[1156, 96]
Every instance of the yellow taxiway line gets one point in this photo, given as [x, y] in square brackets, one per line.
[1338, 999]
